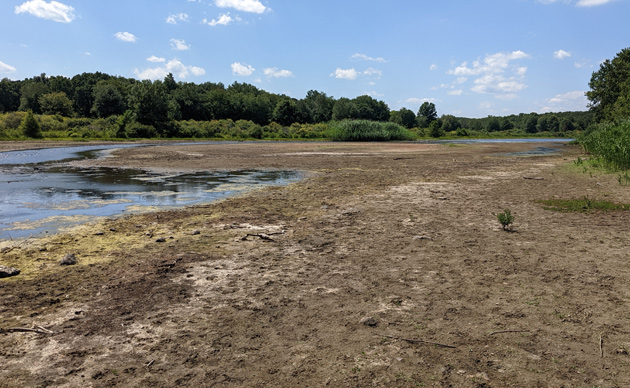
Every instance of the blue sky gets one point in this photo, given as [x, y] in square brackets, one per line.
[471, 58]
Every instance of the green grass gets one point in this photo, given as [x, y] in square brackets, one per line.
[610, 144]
[364, 130]
[581, 205]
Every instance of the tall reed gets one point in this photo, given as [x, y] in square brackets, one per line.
[611, 144]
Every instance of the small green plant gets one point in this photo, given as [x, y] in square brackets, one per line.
[506, 219]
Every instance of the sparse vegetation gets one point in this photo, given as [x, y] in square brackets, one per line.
[506, 219]
[581, 205]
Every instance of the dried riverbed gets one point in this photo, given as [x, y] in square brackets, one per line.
[355, 276]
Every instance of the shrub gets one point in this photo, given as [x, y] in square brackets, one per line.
[30, 126]
[364, 130]
[137, 130]
[506, 218]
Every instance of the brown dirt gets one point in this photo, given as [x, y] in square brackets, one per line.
[275, 287]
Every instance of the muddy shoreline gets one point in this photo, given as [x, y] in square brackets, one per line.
[355, 276]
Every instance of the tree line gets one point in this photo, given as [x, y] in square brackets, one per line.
[162, 107]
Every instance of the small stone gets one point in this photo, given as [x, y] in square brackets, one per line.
[369, 321]
[161, 240]
[99, 233]
[6, 272]
[69, 259]
[422, 238]
[196, 232]
[622, 351]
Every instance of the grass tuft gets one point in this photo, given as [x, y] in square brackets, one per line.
[581, 205]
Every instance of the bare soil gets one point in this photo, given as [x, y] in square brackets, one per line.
[383, 267]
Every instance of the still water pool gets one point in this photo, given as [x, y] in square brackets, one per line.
[40, 193]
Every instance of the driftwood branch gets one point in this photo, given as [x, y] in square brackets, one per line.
[34, 329]
[534, 178]
[262, 236]
[601, 346]
[417, 341]
[509, 331]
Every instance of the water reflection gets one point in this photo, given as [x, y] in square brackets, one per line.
[42, 197]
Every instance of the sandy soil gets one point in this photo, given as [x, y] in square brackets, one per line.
[384, 267]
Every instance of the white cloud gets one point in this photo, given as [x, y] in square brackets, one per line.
[373, 94]
[345, 74]
[433, 67]
[579, 3]
[583, 64]
[179, 45]
[591, 3]
[571, 101]
[414, 100]
[4, 68]
[457, 92]
[174, 66]
[223, 20]
[366, 58]
[373, 72]
[54, 10]
[495, 74]
[173, 19]
[155, 59]
[242, 70]
[561, 54]
[274, 72]
[126, 37]
[485, 105]
[254, 6]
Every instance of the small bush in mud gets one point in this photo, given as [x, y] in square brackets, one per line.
[506, 218]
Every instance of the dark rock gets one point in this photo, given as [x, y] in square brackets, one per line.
[6, 272]
[161, 239]
[369, 321]
[69, 259]
[196, 232]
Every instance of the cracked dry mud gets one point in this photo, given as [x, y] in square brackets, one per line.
[273, 287]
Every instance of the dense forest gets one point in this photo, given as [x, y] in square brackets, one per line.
[98, 105]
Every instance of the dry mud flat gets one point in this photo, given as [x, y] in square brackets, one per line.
[383, 267]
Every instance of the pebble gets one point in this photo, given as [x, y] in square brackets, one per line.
[160, 240]
[6, 272]
[69, 259]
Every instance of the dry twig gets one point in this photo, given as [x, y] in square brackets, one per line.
[509, 331]
[35, 329]
[417, 341]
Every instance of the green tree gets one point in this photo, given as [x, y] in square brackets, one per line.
[317, 107]
[428, 112]
[344, 109]
[553, 124]
[532, 122]
[30, 92]
[435, 129]
[543, 124]
[506, 124]
[493, 125]
[150, 103]
[608, 85]
[404, 117]
[450, 123]
[9, 95]
[108, 100]
[56, 103]
[285, 112]
[30, 126]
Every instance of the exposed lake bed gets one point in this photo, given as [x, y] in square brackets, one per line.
[330, 279]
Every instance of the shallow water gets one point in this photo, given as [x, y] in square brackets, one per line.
[39, 195]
